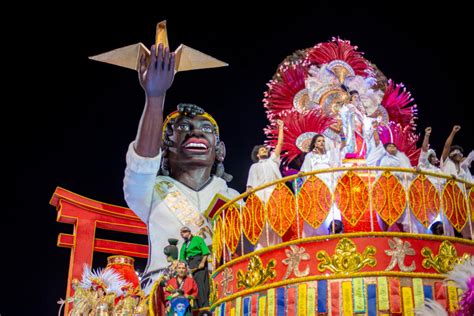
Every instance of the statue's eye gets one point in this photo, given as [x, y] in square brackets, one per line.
[207, 129]
[183, 127]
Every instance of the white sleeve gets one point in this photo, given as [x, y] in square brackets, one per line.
[139, 181]
[252, 180]
[306, 166]
[275, 159]
[466, 163]
[375, 155]
[335, 156]
[423, 159]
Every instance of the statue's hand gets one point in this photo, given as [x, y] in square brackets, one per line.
[156, 77]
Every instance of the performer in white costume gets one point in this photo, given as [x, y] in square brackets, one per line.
[453, 161]
[266, 169]
[319, 157]
[388, 155]
[185, 151]
[429, 162]
[455, 164]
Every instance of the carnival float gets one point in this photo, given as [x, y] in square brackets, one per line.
[366, 269]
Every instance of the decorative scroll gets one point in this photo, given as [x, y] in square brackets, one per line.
[352, 197]
[314, 201]
[446, 258]
[256, 273]
[454, 205]
[253, 215]
[346, 259]
[281, 209]
[388, 196]
[424, 200]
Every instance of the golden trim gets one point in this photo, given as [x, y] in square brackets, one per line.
[327, 277]
[150, 297]
[213, 202]
[339, 236]
[213, 291]
[120, 259]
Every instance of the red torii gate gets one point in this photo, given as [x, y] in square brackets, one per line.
[86, 215]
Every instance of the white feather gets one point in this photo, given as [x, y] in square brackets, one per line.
[431, 308]
[462, 273]
[112, 280]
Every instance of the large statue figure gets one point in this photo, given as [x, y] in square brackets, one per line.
[174, 167]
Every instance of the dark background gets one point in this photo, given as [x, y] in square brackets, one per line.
[71, 119]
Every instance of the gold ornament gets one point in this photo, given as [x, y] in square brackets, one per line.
[445, 260]
[346, 258]
[256, 273]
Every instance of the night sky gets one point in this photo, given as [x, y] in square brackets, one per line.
[74, 118]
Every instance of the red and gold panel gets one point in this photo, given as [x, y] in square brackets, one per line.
[314, 201]
[388, 197]
[217, 242]
[232, 229]
[424, 200]
[455, 205]
[253, 215]
[281, 209]
[352, 197]
[396, 255]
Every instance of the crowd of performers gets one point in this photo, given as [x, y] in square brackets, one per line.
[175, 169]
[322, 155]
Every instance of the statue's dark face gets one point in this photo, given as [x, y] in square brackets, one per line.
[194, 142]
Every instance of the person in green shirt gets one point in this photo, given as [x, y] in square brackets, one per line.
[195, 252]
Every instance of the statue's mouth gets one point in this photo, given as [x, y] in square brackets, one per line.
[196, 145]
